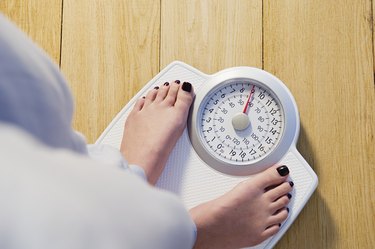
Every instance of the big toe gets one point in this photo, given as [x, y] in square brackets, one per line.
[272, 176]
[185, 95]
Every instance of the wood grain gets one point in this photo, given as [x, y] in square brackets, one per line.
[109, 51]
[323, 51]
[40, 19]
[211, 35]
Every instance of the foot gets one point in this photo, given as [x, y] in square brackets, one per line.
[247, 215]
[154, 126]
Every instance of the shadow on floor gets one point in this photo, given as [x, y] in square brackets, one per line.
[315, 226]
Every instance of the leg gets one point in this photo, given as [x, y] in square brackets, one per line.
[154, 126]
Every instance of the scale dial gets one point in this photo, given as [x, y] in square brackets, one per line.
[243, 120]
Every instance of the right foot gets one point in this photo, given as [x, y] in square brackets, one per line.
[248, 214]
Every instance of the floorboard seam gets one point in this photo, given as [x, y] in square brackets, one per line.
[61, 31]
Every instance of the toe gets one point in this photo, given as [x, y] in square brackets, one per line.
[279, 217]
[280, 203]
[273, 176]
[150, 97]
[271, 230]
[185, 96]
[277, 192]
[139, 104]
[162, 92]
[171, 97]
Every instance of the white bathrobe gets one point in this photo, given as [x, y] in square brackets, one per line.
[56, 193]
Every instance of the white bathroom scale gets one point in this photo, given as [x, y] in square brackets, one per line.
[242, 121]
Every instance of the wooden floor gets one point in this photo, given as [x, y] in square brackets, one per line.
[322, 49]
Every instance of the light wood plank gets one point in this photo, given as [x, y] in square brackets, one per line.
[212, 35]
[40, 19]
[323, 51]
[109, 51]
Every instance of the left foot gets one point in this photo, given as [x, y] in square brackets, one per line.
[154, 126]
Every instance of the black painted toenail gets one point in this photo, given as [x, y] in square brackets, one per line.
[177, 81]
[156, 87]
[279, 224]
[186, 87]
[283, 170]
[166, 84]
[289, 196]
[287, 209]
[291, 183]
[143, 97]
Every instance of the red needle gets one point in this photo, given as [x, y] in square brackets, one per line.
[249, 100]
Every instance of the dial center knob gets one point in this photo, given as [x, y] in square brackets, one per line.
[240, 121]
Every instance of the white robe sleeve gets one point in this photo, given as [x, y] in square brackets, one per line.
[107, 154]
[53, 198]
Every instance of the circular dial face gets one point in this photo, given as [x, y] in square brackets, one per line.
[240, 121]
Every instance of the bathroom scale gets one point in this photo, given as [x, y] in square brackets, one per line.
[242, 121]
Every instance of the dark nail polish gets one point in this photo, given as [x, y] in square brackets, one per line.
[143, 97]
[291, 183]
[166, 84]
[283, 170]
[186, 87]
[279, 224]
[177, 81]
[287, 209]
[156, 87]
[289, 196]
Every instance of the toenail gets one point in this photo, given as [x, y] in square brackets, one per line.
[291, 183]
[166, 84]
[287, 209]
[279, 224]
[143, 97]
[177, 81]
[289, 196]
[156, 87]
[186, 87]
[283, 170]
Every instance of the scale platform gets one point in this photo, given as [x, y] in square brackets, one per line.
[189, 177]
